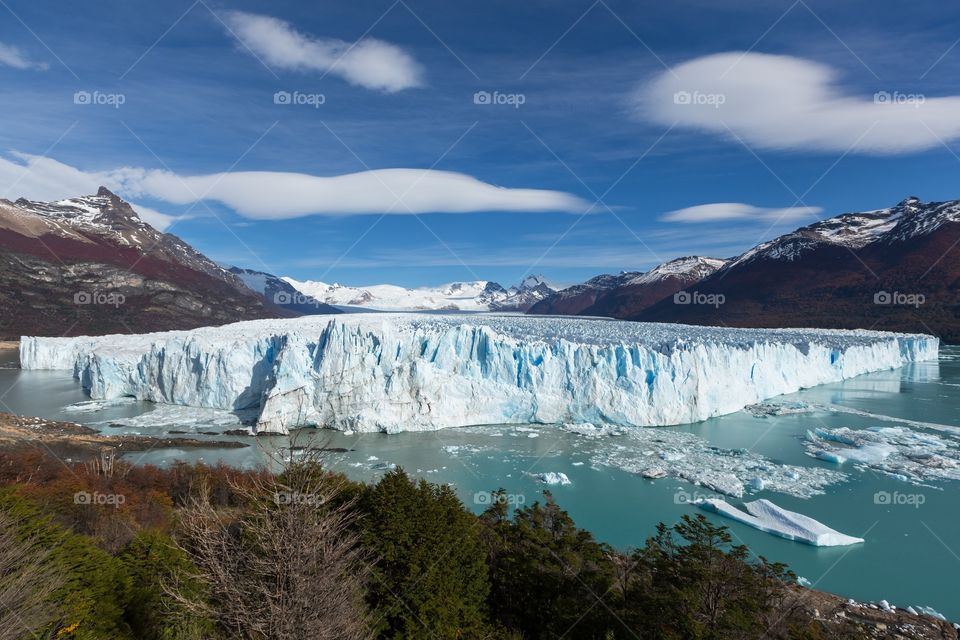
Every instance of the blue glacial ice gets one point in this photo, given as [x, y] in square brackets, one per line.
[415, 372]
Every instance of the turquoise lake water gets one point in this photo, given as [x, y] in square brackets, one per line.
[912, 551]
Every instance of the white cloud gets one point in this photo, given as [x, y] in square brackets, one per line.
[267, 195]
[789, 103]
[724, 211]
[44, 179]
[369, 63]
[13, 57]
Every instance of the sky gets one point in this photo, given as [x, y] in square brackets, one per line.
[419, 142]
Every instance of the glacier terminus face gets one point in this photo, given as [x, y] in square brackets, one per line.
[406, 372]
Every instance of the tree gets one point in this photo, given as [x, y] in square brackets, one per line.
[28, 579]
[285, 565]
[430, 578]
[549, 578]
[154, 562]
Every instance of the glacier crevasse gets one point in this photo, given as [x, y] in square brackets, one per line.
[405, 372]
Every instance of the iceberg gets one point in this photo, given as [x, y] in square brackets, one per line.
[406, 372]
[766, 516]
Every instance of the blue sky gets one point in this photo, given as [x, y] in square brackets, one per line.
[798, 132]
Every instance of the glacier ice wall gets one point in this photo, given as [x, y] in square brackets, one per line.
[404, 372]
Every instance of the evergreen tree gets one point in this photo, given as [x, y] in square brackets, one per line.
[430, 578]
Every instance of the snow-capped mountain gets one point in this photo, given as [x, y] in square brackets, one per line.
[479, 295]
[619, 295]
[896, 269]
[91, 265]
[277, 292]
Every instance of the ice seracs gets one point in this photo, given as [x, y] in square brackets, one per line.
[414, 372]
[766, 516]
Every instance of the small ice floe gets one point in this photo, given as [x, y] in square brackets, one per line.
[654, 473]
[766, 516]
[771, 409]
[551, 477]
[533, 435]
[372, 459]
[803, 582]
[577, 464]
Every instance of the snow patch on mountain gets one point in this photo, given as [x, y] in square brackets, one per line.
[479, 295]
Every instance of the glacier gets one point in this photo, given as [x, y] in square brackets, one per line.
[396, 372]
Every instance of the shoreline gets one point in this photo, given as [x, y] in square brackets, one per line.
[74, 440]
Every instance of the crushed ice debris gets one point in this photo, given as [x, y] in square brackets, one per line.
[766, 516]
[92, 406]
[168, 415]
[665, 452]
[551, 477]
[900, 452]
[353, 371]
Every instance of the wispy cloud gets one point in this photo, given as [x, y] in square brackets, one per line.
[11, 56]
[789, 103]
[369, 63]
[272, 195]
[726, 211]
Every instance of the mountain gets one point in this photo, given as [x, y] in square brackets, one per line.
[280, 295]
[90, 265]
[627, 293]
[479, 295]
[894, 269]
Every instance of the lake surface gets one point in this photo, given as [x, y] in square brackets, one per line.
[912, 550]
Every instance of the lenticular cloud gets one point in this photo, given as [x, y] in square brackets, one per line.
[789, 103]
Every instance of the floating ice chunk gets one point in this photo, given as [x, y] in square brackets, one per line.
[552, 477]
[803, 582]
[930, 611]
[900, 452]
[766, 516]
[412, 372]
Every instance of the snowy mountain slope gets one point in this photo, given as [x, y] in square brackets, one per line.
[479, 295]
[91, 265]
[627, 292]
[396, 372]
[278, 293]
[894, 269]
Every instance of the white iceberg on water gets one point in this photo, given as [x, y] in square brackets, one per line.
[414, 372]
[766, 516]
